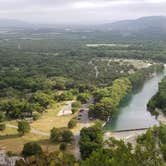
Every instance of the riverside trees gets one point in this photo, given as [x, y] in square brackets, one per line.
[108, 99]
[159, 100]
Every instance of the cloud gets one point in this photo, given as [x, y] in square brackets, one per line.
[80, 11]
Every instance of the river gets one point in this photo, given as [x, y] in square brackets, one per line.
[133, 113]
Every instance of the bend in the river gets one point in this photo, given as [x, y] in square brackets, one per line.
[133, 113]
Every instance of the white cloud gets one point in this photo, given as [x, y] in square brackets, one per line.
[155, 1]
[80, 11]
[101, 4]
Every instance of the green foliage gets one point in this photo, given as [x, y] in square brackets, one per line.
[108, 99]
[91, 139]
[63, 146]
[74, 110]
[19, 109]
[2, 126]
[36, 116]
[147, 151]
[2, 116]
[75, 106]
[65, 96]
[61, 135]
[50, 159]
[138, 78]
[159, 100]
[83, 97]
[67, 136]
[42, 99]
[31, 148]
[23, 127]
[72, 123]
[56, 135]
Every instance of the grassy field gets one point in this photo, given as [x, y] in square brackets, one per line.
[11, 141]
[50, 119]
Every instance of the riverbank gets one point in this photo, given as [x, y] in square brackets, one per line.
[127, 136]
[131, 136]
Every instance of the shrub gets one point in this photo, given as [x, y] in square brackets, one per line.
[2, 126]
[31, 148]
[74, 110]
[23, 127]
[76, 104]
[63, 146]
[2, 116]
[83, 97]
[56, 135]
[67, 136]
[36, 116]
[72, 123]
[61, 135]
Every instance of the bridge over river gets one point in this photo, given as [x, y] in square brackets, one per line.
[133, 114]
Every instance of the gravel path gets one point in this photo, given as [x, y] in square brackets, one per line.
[34, 131]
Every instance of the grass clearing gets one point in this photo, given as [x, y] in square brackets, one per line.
[11, 141]
[50, 119]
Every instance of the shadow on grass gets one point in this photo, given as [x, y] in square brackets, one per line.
[10, 136]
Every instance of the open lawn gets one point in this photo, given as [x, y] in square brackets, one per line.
[11, 141]
[50, 119]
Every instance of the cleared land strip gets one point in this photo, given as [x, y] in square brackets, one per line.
[34, 131]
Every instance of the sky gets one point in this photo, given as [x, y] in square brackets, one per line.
[79, 11]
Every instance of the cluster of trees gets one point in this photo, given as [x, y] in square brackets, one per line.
[91, 139]
[139, 77]
[23, 127]
[75, 106]
[108, 99]
[61, 135]
[34, 155]
[54, 158]
[149, 150]
[72, 123]
[83, 97]
[159, 100]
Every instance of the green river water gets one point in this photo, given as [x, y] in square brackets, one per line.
[133, 113]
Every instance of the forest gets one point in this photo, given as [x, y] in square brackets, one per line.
[40, 72]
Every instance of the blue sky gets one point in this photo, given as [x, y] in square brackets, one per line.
[79, 11]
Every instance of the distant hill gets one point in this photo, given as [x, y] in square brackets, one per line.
[144, 23]
[11, 23]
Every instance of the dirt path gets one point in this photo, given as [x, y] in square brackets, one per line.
[95, 68]
[34, 131]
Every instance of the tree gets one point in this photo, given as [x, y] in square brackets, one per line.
[72, 123]
[63, 146]
[83, 97]
[75, 106]
[23, 127]
[31, 148]
[2, 116]
[2, 126]
[56, 135]
[91, 139]
[67, 136]
[65, 96]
